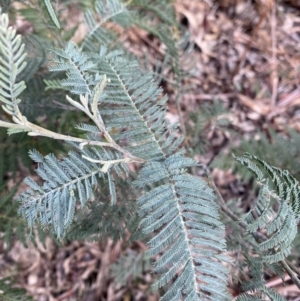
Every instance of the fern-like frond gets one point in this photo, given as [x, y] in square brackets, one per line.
[248, 297]
[190, 236]
[112, 10]
[81, 73]
[35, 103]
[64, 181]
[12, 63]
[266, 294]
[273, 295]
[280, 226]
[257, 284]
[257, 281]
[88, 128]
[73, 178]
[35, 58]
[285, 185]
[181, 207]
[133, 105]
[52, 13]
[54, 84]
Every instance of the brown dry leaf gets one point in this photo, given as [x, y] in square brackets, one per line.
[254, 104]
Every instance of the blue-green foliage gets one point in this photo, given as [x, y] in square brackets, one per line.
[257, 284]
[133, 105]
[129, 113]
[12, 63]
[65, 181]
[181, 210]
[81, 72]
[280, 225]
[52, 13]
[267, 292]
[106, 11]
[54, 202]
[177, 210]
[134, 110]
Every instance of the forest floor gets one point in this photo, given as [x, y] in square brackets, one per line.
[246, 56]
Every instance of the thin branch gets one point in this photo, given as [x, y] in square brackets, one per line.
[290, 272]
[21, 123]
[109, 163]
[94, 114]
[35, 130]
[293, 268]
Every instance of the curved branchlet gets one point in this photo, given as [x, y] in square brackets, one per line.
[276, 214]
[280, 226]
